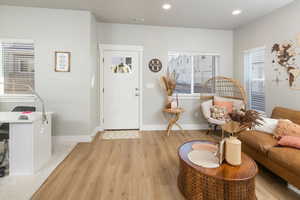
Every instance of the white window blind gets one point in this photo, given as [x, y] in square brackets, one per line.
[192, 71]
[255, 78]
[16, 68]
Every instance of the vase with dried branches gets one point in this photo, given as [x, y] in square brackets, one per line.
[168, 83]
[240, 121]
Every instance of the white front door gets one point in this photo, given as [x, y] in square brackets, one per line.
[121, 89]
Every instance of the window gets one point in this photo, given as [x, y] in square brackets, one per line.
[192, 71]
[255, 78]
[16, 68]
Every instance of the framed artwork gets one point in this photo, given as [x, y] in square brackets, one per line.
[62, 61]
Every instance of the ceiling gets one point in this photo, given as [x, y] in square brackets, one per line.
[184, 13]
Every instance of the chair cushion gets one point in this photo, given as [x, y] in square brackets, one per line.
[225, 104]
[218, 113]
[237, 104]
[260, 141]
[205, 107]
[286, 157]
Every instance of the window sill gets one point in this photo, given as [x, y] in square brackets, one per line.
[187, 96]
[17, 98]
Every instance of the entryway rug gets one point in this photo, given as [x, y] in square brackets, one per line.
[119, 135]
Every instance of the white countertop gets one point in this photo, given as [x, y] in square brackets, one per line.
[13, 117]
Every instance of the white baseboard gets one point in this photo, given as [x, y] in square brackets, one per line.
[96, 130]
[76, 138]
[72, 138]
[160, 127]
[157, 127]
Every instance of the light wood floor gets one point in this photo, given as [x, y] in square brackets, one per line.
[142, 169]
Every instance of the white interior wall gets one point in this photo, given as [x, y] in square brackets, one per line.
[94, 77]
[69, 95]
[157, 41]
[277, 27]
[74, 96]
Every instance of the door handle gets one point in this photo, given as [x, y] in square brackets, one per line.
[137, 93]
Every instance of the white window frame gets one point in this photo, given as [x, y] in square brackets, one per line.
[246, 76]
[193, 53]
[17, 97]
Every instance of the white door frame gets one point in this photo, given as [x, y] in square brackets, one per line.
[112, 47]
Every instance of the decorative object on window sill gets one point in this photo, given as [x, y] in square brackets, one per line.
[284, 61]
[241, 120]
[155, 65]
[168, 83]
[175, 102]
[62, 61]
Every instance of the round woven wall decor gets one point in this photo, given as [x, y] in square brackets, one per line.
[155, 65]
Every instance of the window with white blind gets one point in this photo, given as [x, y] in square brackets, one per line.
[16, 68]
[192, 71]
[254, 61]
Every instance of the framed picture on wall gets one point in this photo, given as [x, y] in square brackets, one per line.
[62, 61]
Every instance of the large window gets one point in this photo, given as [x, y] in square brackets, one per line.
[192, 71]
[16, 68]
[255, 78]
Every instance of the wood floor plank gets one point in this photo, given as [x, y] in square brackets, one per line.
[137, 169]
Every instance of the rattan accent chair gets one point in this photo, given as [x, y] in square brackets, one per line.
[224, 87]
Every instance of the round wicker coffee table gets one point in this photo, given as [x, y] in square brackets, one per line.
[225, 182]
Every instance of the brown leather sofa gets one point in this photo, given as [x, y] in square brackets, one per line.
[283, 161]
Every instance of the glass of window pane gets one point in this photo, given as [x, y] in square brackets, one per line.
[203, 70]
[181, 65]
[121, 65]
[17, 68]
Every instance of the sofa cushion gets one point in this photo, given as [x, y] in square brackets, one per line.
[260, 141]
[286, 157]
[286, 127]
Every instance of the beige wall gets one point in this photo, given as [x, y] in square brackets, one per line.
[157, 41]
[279, 26]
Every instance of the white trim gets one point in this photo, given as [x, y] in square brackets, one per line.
[96, 130]
[172, 52]
[255, 49]
[113, 47]
[71, 138]
[76, 138]
[16, 40]
[160, 127]
[139, 49]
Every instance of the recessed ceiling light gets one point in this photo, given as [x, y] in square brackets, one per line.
[237, 12]
[166, 6]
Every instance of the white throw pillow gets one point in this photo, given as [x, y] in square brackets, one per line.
[268, 125]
